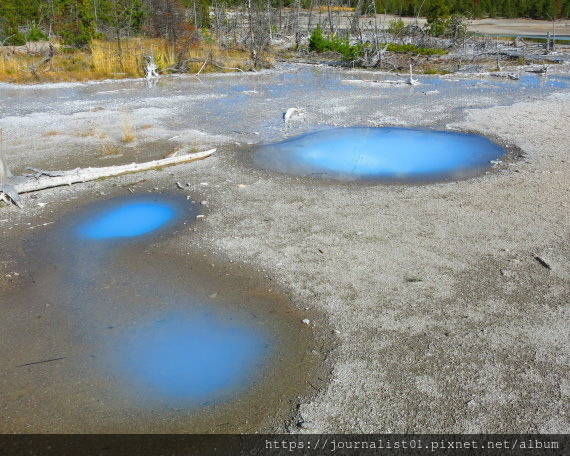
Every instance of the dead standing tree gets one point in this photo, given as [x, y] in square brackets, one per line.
[258, 37]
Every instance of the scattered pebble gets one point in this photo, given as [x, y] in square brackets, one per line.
[201, 216]
[306, 321]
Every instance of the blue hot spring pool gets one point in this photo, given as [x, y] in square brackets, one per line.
[380, 154]
[192, 358]
[127, 218]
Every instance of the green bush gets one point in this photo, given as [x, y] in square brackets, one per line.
[35, 34]
[13, 37]
[318, 43]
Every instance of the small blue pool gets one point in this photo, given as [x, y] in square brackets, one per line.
[191, 358]
[380, 154]
[127, 218]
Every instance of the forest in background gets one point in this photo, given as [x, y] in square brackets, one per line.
[77, 22]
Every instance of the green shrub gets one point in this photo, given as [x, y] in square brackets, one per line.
[13, 37]
[318, 43]
[35, 34]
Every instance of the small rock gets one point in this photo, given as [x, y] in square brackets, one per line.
[204, 203]
[179, 185]
[242, 185]
[306, 321]
[204, 183]
[201, 216]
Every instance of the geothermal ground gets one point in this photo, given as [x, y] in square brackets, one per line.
[440, 307]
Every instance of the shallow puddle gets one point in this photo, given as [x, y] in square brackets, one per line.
[380, 154]
[133, 335]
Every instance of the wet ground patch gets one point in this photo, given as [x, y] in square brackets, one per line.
[147, 341]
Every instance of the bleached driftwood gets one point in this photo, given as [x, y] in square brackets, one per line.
[11, 187]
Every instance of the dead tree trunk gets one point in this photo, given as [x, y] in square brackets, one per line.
[12, 187]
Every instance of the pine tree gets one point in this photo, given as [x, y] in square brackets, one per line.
[74, 22]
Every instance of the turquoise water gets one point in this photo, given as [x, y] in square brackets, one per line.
[127, 219]
[380, 154]
[191, 358]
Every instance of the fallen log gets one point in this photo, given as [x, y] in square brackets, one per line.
[11, 187]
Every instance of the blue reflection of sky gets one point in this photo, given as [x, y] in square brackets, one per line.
[191, 358]
[378, 153]
[127, 219]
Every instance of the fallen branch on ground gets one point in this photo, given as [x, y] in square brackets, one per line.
[13, 186]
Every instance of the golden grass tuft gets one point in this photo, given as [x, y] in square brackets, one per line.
[227, 58]
[128, 59]
[108, 148]
[108, 60]
[128, 134]
[51, 133]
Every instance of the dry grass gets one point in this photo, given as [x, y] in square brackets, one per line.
[9, 66]
[196, 146]
[228, 58]
[76, 66]
[128, 60]
[108, 148]
[128, 133]
[51, 133]
[145, 127]
[107, 61]
[91, 132]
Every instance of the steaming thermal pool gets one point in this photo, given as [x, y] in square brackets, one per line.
[380, 154]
